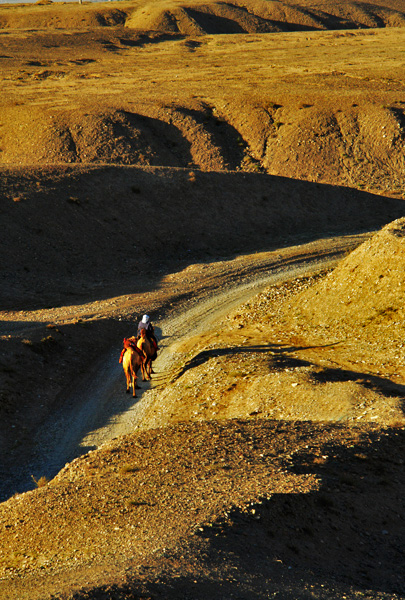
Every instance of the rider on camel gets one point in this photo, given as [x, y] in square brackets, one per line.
[146, 324]
[141, 341]
[145, 328]
[130, 342]
[137, 343]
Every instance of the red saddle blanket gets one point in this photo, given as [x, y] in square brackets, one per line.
[131, 343]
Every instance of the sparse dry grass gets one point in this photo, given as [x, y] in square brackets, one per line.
[40, 481]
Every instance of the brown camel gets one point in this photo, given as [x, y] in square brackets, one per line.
[151, 354]
[131, 363]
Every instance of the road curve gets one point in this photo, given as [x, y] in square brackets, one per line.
[98, 409]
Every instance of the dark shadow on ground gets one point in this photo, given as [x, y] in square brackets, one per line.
[343, 541]
[372, 382]
[131, 39]
[47, 413]
[277, 352]
[103, 230]
[351, 531]
[57, 438]
[222, 135]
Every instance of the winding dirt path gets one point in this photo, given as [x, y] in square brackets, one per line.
[98, 409]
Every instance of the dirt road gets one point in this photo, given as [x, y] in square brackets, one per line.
[97, 408]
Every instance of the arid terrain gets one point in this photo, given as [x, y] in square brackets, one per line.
[237, 171]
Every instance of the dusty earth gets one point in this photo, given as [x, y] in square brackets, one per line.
[236, 171]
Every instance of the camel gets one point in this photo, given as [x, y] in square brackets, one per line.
[151, 354]
[132, 359]
[131, 362]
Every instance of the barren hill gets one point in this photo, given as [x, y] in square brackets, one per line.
[366, 291]
[315, 141]
[201, 17]
[256, 16]
[324, 106]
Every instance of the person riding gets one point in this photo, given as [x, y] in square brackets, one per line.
[141, 342]
[145, 329]
[146, 324]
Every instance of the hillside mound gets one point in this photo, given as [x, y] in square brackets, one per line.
[323, 140]
[317, 142]
[198, 18]
[156, 136]
[256, 16]
[63, 15]
[366, 291]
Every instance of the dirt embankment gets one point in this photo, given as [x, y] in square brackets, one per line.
[364, 294]
[311, 350]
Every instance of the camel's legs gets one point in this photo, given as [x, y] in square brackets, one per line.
[144, 369]
[128, 377]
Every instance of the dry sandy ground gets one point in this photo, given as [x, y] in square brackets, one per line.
[271, 447]
[159, 158]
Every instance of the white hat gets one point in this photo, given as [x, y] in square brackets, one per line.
[145, 319]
